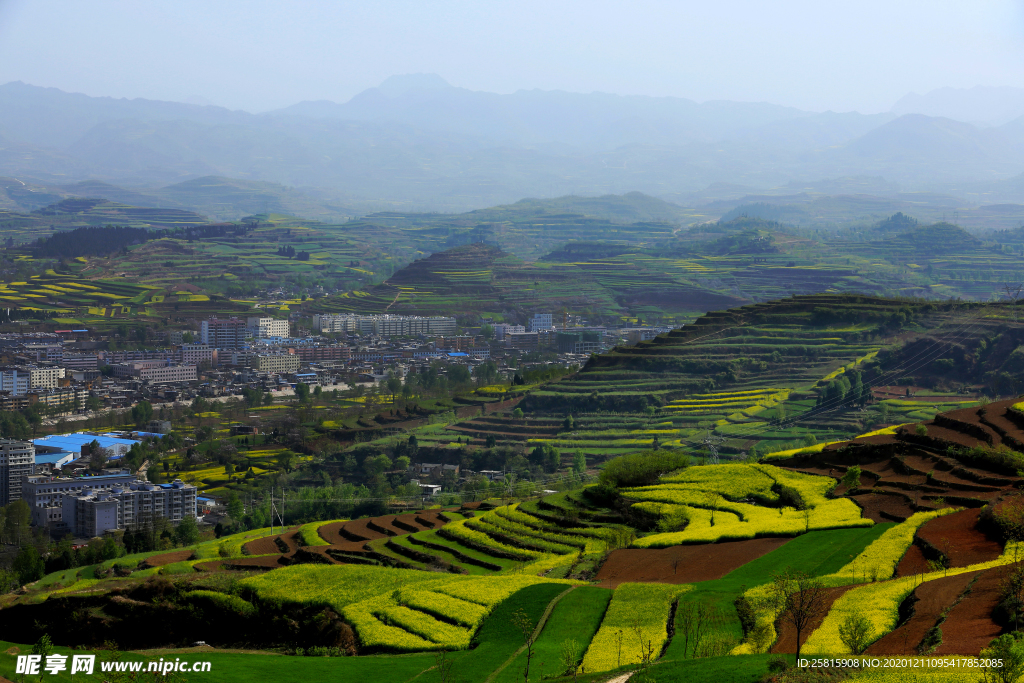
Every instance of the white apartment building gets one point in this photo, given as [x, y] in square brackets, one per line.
[385, 325]
[194, 354]
[170, 373]
[18, 379]
[91, 513]
[275, 363]
[263, 328]
[14, 381]
[67, 398]
[540, 321]
[17, 459]
[45, 494]
[502, 329]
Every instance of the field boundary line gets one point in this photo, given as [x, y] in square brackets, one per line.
[536, 633]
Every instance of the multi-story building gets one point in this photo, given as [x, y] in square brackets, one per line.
[309, 354]
[578, 342]
[223, 333]
[170, 373]
[177, 337]
[80, 361]
[157, 371]
[45, 494]
[133, 368]
[275, 363]
[540, 321]
[194, 354]
[263, 328]
[14, 381]
[18, 379]
[526, 341]
[385, 325]
[68, 399]
[41, 352]
[501, 329]
[92, 513]
[16, 461]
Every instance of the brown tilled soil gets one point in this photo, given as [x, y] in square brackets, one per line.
[912, 563]
[268, 544]
[168, 558]
[211, 566]
[969, 627]
[329, 532]
[359, 528]
[957, 536]
[787, 633]
[695, 562]
[933, 598]
[267, 562]
[874, 504]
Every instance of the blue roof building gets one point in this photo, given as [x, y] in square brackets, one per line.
[72, 443]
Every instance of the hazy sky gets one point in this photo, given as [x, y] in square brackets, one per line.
[860, 55]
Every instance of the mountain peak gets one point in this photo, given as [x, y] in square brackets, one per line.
[396, 86]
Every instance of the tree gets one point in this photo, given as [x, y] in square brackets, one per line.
[393, 384]
[402, 462]
[855, 632]
[1008, 651]
[28, 564]
[43, 646]
[235, 508]
[17, 518]
[286, 460]
[187, 531]
[803, 600]
[518, 413]
[568, 424]
[570, 657]
[142, 413]
[579, 462]
[712, 499]
[524, 624]
[302, 392]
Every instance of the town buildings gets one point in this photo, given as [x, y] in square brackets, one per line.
[223, 333]
[17, 459]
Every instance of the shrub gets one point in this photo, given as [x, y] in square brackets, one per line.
[1000, 459]
[641, 469]
[854, 632]
[851, 479]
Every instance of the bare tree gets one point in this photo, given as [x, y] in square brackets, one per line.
[695, 620]
[522, 621]
[712, 499]
[444, 667]
[804, 599]
[647, 646]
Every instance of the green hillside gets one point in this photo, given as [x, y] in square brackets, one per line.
[772, 376]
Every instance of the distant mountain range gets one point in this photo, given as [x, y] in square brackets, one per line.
[417, 143]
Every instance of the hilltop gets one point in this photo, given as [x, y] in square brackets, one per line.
[481, 278]
[776, 375]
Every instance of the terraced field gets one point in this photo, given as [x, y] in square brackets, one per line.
[449, 581]
[758, 379]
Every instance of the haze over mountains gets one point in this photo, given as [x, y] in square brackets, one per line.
[418, 143]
